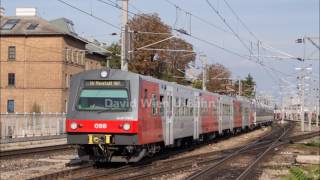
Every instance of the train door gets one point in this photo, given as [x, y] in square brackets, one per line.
[220, 113]
[254, 113]
[231, 116]
[245, 115]
[196, 115]
[169, 116]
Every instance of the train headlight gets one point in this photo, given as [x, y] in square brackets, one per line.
[104, 74]
[126, 126]
[73, 125]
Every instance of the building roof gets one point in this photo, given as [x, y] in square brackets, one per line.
[64, 25]
[32, 25]
[95, 47]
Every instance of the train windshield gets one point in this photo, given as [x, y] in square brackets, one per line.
[103, 100]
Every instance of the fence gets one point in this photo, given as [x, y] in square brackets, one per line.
[31, 126]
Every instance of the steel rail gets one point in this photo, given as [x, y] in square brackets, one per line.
[35, 150]
[199, 159]
[210, 168]
[64, 173]
[167, 170]
[272, 145]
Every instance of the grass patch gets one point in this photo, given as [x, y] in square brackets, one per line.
[314, 143]
[309, 172]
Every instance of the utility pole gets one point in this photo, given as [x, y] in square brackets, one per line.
[317, 112]
[301, 78]
[317, 101]
[124, 36]
[302, 99]
[282, 105]
[239, 89]
[203, 59]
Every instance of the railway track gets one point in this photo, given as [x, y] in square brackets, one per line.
[164, 164]
[200, 160]
[77, 173]
[145, 170]
[238, 165]
[33, 151]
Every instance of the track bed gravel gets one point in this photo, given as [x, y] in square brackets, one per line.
[34, 165]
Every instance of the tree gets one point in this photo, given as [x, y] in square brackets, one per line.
[197, 84]
[218, 78]
[114, 59]
[248, 87]
[165, 65]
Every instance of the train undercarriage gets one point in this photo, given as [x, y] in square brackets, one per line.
[116, 153]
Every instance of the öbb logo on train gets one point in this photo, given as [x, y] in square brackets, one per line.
[100, 126]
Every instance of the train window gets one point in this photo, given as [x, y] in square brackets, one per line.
[182, 107]
[103, 100]
[186, 107]
[145, 98]
[177, 107]
[177, 102]
[170, 106]
[154, 104]
[161, 105]
[215, 109]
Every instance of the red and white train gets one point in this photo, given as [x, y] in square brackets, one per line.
[117, 116]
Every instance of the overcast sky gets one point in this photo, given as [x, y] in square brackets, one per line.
[275, 22]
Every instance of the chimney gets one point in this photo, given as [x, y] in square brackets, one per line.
[26, 11]
[2, 11]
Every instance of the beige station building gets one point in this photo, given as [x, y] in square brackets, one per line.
[37, 60]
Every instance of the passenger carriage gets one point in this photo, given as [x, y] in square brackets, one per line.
[117, 116]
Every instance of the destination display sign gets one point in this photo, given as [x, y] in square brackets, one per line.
[104, 83]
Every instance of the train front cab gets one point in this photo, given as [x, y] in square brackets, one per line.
[101, 118]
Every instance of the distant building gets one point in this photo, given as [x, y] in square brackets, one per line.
[37, 59]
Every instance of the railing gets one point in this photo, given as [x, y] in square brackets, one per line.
[31, 126]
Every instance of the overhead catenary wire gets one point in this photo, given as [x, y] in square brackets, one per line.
[116, 6]
[168, 50]
[235, 53]
[154, 43]
[229, 27]
[269, 47]
[89, 14]
[239, 19]
[240, 39]
[197, 17]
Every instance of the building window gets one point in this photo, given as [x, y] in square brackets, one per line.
[10, 24]
[11, 79]
[32, 26]
[10, 106]
[67, 80]
[70, 27]
[66, 105]
[11, 52]
[67, 54]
